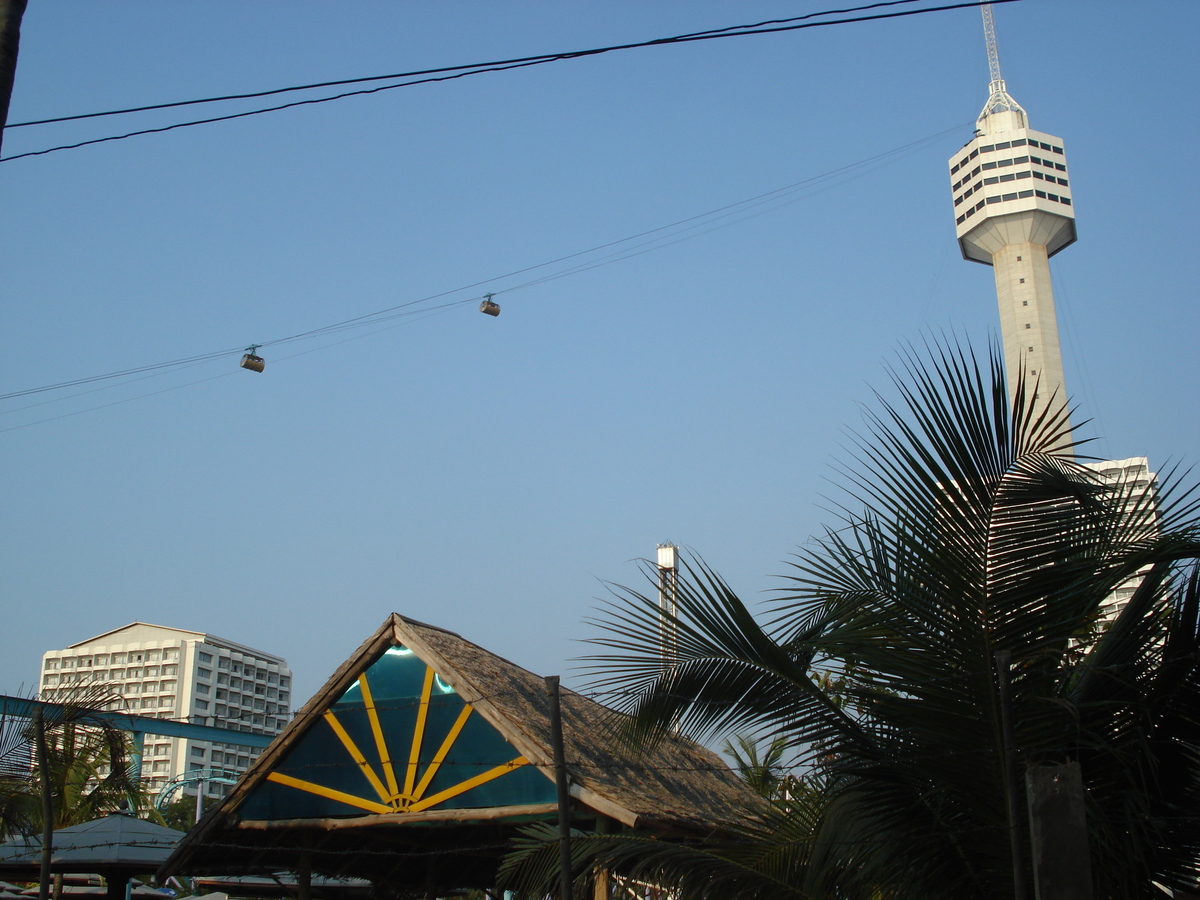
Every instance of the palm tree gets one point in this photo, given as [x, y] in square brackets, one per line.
[971, 530]
[65, 766]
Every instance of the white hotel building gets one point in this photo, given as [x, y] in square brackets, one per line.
[188, 676]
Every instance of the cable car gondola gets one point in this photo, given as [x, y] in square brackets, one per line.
[489, 307]
[251, 360]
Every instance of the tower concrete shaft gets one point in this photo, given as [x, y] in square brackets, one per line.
[1013, 211]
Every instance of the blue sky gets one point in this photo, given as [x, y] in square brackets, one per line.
[490, 475]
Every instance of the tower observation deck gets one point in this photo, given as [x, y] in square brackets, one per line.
[1013, 210]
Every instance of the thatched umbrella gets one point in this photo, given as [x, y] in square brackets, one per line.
[117, 846]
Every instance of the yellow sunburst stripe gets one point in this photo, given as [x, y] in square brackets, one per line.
[329, 793]
[465, 786]
[440, 756]
[356, 755]
[410, 776]
[385, 756]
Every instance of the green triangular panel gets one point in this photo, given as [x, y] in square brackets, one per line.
[327, 773]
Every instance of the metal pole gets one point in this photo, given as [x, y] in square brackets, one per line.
[668, 604]
[43, 763]
[11, 12]
[1011, 776]
[199, 799]
[560, 780]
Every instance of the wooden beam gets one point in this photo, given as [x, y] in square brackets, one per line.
[433, 815]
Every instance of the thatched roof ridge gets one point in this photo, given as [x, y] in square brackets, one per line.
[675, 785]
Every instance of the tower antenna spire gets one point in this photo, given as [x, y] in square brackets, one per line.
[998, 96]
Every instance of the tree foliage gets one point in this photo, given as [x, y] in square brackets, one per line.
[970, 527]
[86, 771]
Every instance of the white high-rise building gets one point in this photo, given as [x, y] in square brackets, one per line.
[188, 676]
[1013, 211]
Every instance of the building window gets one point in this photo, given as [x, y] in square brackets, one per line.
[1020, 159]
[989, 165]
[1019, 259]
[1008, 177]
[993, 199]
[203, 704]
[118, 658]
[204, 673]
[204, 657]
[1024, 302]
[1022, 281]
[223, 662]
[170, 670]
[1027, 325]
[1063, 182]
[1025, 194]
[201, 688]
[993, 180]
[153, 655]
[1066, 200]
[1040, 193]
[1020, 142]
[198, 751]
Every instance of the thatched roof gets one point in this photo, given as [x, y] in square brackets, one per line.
[677, 788]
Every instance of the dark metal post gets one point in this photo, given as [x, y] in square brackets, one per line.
[564, 797]
[304, 877]
[11, 12]
[42, 749]
[1062, 865]
[1011, 776]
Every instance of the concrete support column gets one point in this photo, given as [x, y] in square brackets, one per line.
[1027, 321]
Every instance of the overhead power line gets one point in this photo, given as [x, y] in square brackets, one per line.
[449, 73]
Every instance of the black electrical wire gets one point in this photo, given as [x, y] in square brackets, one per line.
[770, 27]
[544, 57]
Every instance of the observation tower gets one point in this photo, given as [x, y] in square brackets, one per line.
[1013, 210]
